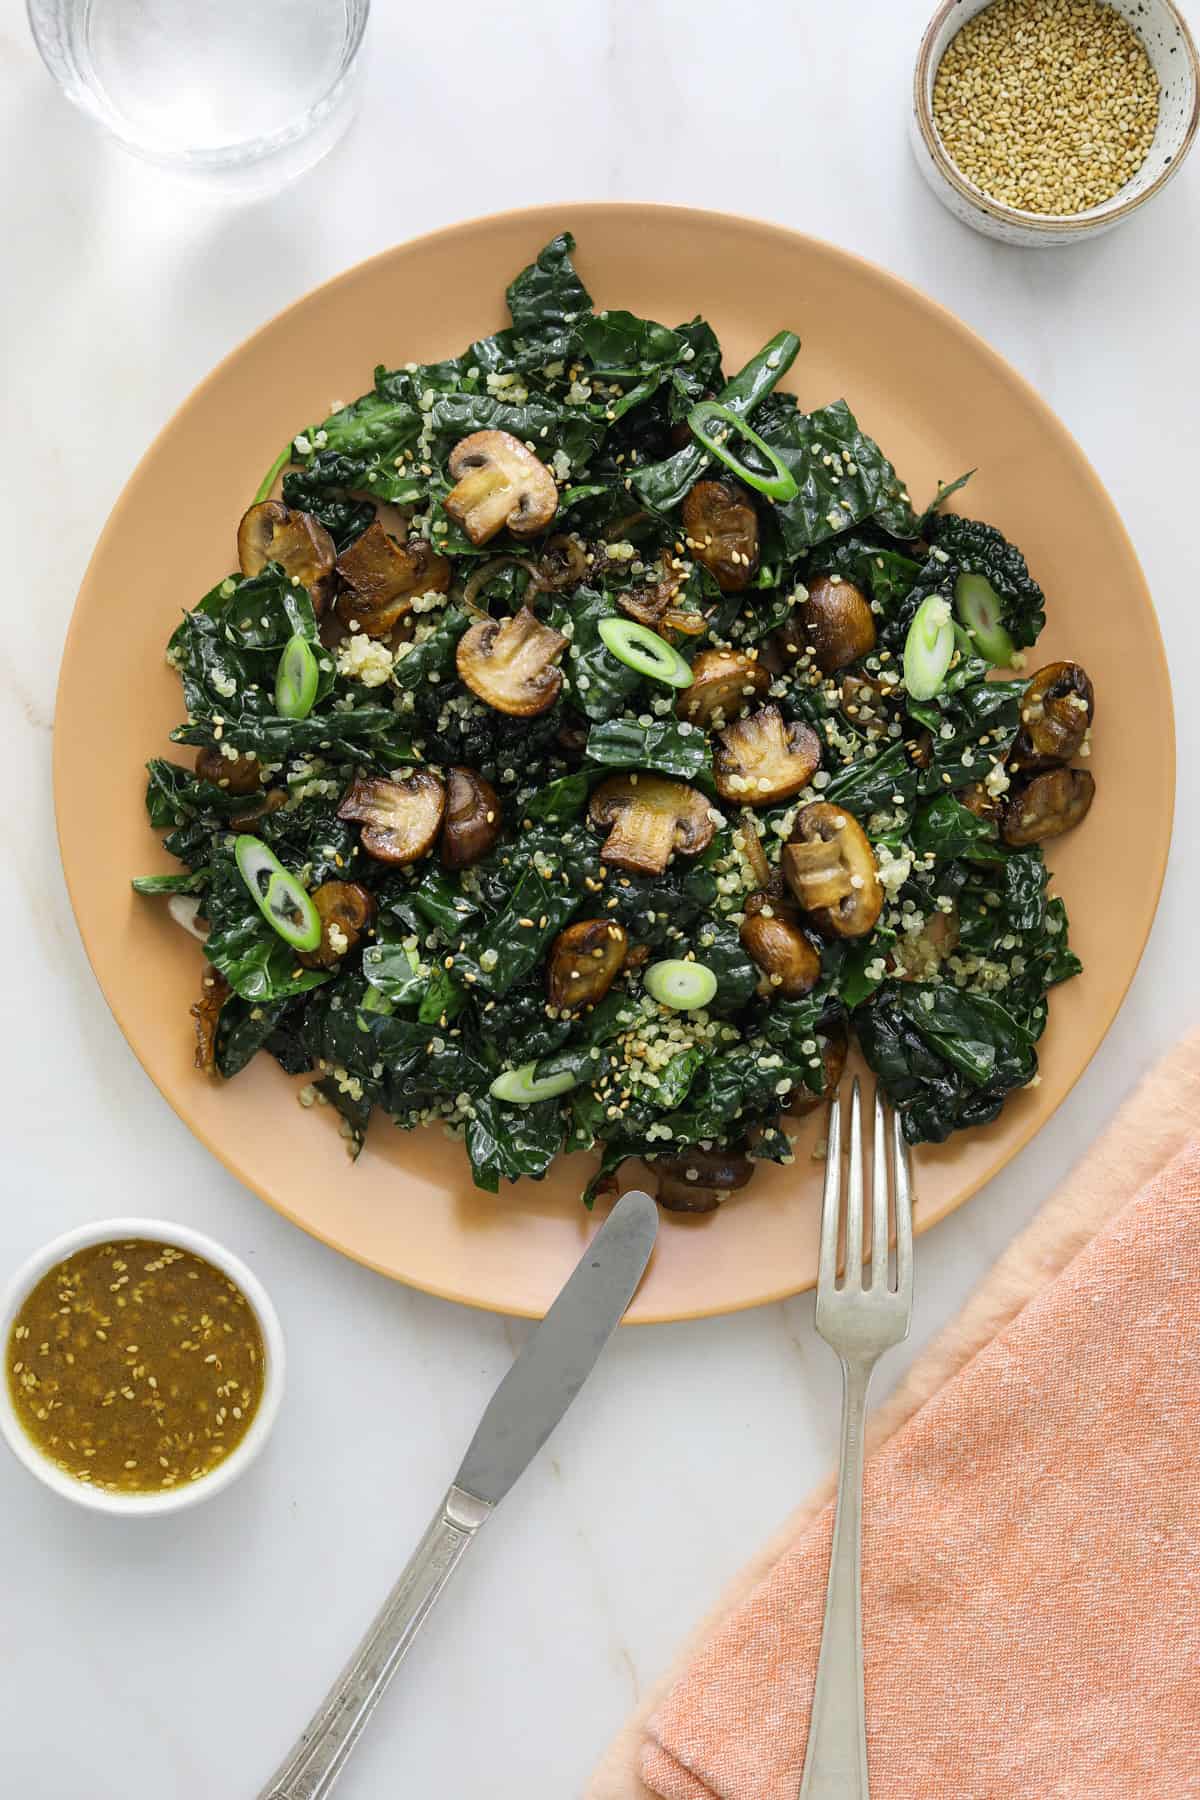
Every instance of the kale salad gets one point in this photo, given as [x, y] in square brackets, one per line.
[593, 740]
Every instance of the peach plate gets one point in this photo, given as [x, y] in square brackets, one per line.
[937, 398]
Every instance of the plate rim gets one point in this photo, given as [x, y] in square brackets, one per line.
[564, 216]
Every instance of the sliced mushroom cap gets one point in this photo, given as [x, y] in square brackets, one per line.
[236, 774]
[1057, 709]
[655, 607]
[345, 909]
[760, 760]
[563, 563]
[771, 935]
[584, 961]
[648, 819]
[472, 821]
[383, 577]
[838, 622]
[271, 532]
[724, 684]
[698, 1180]
[499, 482]
[267, 802]
[830, 867]
[864, 701]
[721, 528]
[1047, 806]
[802, 1100]
[979, 799]
[206, 1015]
[511, 663]
[400, 819]
[572, 736]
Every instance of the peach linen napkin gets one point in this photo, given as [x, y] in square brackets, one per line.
[1031, 1557]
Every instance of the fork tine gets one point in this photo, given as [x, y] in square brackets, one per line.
[879, 1199]
[904, 1241]
[831, 1202]
[854, 1192]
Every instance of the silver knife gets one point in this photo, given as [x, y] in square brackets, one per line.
[553, 1365]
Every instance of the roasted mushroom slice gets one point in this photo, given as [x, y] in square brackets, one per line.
[584, 961]
[512, 663]
[472, 821]
[383, 577]
[837, 622]
[802, 1100]
[721, 528]
[864, 701]
[400, 819]
[236, 774]
[696, 1181]
[206, 1016]
[563, 564]
[265, 803]
[771, 935]
[1047, 806]
[648, 818]
[345, 909]
[979, 799]
[655, 607]
[1057, 709]
[499, 482]
[760, 760]
[724, 684]
[830, 867]
[271, 532]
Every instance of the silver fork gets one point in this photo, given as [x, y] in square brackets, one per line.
[860, 1318]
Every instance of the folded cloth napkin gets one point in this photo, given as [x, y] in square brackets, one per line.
[1031, 1555]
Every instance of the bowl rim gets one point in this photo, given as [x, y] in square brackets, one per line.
[102, 1231]
[1108, 212]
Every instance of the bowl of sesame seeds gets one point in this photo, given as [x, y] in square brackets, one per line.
[144, 1366]
[1042, 122]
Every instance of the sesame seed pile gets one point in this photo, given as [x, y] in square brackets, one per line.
[1047, 105]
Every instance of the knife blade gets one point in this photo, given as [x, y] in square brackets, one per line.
[559, 1356]
[553, 1365]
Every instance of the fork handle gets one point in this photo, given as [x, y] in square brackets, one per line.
[835, 1762]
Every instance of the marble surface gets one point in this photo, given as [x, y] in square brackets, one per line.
[179, 1656]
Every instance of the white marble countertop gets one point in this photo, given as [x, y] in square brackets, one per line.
[180, 1656]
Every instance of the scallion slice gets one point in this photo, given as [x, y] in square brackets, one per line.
[980, 609]
[279, 897]
[296, 679]
[780, 487]
[928, 648]
[684, 986]
[520, 1088]
[642, 649]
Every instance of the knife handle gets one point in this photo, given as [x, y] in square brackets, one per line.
[323, 1748]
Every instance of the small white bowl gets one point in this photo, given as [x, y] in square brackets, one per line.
[159, 1231]
[1172, 55]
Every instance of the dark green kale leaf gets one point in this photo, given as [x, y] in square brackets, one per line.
[506, 1142]
[252, 957]
[332, 478]
[873, 784]
[878, 568]
[718, 946]
[946, 828]
[175, 794]
[543, 423]
[843, 476]
[667, 747]
[971, 729]
[548, 302]
[946, 1058]
[597, 682]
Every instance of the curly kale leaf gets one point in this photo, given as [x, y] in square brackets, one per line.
[547, 301]
[977, 549]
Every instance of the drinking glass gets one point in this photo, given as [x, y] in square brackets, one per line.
[243, 94]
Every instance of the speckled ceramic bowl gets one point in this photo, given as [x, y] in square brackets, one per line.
[1173, 56]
